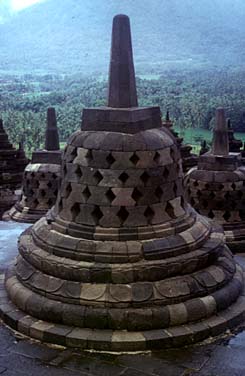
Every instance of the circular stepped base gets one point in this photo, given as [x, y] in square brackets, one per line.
[118, 341]
[27, 216]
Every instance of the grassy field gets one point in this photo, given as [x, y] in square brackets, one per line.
[195, 136]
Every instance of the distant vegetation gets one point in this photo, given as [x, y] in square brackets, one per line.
[64, 36]
[191, 97]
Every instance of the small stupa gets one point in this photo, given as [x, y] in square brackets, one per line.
[189, 159]
[41, 178]
[216, 188]
[122, 263]
[12, 165]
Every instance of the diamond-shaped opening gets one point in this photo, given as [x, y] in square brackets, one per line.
[60, 205]
[242, 214]
[227, 196]
[212, 195]
[97, 214]
[123, 177]
[50, 202]
[136, 195]
[89, 155]
[123, 214]
[110, 159]
[239, 194]
[227, 216]
[149, 214]
[43, 175]
[145, 177]
[211, 214]
[170, 210]
[195, 183]
[42, 193]
[35, 203]
[172, 153]
[199, 193]
[166, 173]
[75, 210]
[219, 205]
[157, 157]
[159, 193]
[205, 204]
[49, 184]
[78, 172]
[134, 159]
[68, 190]
[31, 192]
[110, 195]
[207, 186]
[74, 153]
[98, 177]
[221, 187]
[233, 186]
[54, 176]
[86, 193]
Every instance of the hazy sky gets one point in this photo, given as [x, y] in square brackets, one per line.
[20, 4]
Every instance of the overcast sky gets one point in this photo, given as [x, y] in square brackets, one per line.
[20, 4]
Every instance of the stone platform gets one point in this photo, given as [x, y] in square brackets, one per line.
[224, 356]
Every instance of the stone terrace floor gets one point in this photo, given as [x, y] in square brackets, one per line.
[22, 356]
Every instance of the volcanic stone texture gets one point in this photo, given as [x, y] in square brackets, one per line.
[12, 165]
[122, 262]
[125, 262]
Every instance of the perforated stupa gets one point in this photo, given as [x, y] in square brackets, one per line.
[123, 263]
[41, 178]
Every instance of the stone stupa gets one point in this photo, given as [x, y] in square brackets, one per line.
[41, 178]
[12, 165]
[189, 159]
[123, 263]
[216, 188]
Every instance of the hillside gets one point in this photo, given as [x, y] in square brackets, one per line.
[70, 35]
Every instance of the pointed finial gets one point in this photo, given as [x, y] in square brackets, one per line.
[220, 144]
[52, 135]
[122, 83]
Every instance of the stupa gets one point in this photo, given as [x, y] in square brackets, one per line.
[41, 178]
[12, 165]
[189, 159]
[122, 263]
[234, 144]
[216, 188]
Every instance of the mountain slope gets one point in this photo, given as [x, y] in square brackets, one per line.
[74, 35]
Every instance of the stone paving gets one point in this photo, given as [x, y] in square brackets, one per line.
[22, 356]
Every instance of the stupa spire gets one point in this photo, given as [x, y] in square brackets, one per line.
[220, 144]
[122, 84]
[52, 135]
